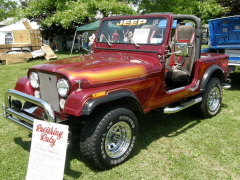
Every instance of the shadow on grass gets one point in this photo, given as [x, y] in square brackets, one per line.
[75, 154]
[152, 126]
[156, 125]
[235, 84]
[72, 154]
[24, 144]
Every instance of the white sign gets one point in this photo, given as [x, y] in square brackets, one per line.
[48, 151]
[141, 35]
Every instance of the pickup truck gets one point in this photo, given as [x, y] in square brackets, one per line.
[137, 64]
[225, 38]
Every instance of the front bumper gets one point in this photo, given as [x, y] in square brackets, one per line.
[21, 117]
[234, 67]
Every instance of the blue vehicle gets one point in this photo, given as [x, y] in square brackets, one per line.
[225, 38]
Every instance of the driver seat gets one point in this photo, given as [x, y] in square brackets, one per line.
[180, 68]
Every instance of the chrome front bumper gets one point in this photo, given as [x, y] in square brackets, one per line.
[234, 67]
[20, 117]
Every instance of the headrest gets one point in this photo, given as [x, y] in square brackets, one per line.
[185, 33]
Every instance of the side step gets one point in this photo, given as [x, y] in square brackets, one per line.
[182, 106]
[227, 85]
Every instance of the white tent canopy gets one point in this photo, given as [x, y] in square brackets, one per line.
[16, 26]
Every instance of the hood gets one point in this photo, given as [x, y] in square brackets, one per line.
[97, 69]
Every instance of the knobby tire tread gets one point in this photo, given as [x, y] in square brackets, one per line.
[90, 131]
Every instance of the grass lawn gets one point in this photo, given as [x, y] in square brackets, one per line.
[177, 146]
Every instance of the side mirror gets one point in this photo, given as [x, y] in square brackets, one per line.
[182, 49]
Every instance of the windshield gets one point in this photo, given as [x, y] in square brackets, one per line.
[133, 31]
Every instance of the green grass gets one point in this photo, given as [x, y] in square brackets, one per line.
[177, 146]
[204, 46]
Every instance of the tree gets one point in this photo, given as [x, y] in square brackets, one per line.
[232, 5]
[7, 9]
[201, 8]
[209, 10]
[64, 14]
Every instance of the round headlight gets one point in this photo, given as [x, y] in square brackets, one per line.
[62, 87]
[34, 80]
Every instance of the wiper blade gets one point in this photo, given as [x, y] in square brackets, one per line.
[107, 39]
[135, 43]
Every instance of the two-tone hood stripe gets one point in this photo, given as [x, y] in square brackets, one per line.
[110, 75]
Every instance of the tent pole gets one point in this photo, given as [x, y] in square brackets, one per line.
[73, 42]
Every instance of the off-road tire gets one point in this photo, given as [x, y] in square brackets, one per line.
[108, 138]
[212, 99]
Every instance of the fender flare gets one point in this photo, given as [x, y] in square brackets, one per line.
[116, 95]
[208, 74]
[23, 85]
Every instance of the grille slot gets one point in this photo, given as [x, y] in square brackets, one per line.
[48, 90]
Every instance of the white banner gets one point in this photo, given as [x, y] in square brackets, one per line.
[48, 151]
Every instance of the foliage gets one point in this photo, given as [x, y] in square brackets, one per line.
[7, 9]
[209, 10]
[60, 15]
[68, 13]
[203, 9]
[232, 5]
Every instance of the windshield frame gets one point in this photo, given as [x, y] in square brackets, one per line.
[134, 25]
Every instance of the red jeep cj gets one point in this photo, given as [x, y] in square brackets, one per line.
[152, 61]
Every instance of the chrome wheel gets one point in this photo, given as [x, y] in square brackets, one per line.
[211, 99]
[108, 139]
[118, 139]
[214, 99]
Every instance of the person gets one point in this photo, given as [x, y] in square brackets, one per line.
[126, 36]
[101, 38]
[45, 39]
[57, 41]
[129, 36]
[104, 37]
[64, 42]
[158, 35]
[54, 43]
[70, 41]
[60, 42]
[80, 43]
[50, 39]
[85, 40]
[115, 36]
[91, 40]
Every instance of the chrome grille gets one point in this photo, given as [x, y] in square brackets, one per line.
[48, 90]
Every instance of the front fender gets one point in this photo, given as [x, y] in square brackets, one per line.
[23, 85]
[93, 103]
[213, 70]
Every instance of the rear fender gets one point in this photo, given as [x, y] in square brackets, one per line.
[213, 71]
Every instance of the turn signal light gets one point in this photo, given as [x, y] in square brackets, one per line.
[99, 94]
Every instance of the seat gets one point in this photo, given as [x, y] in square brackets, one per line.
[179, 68]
